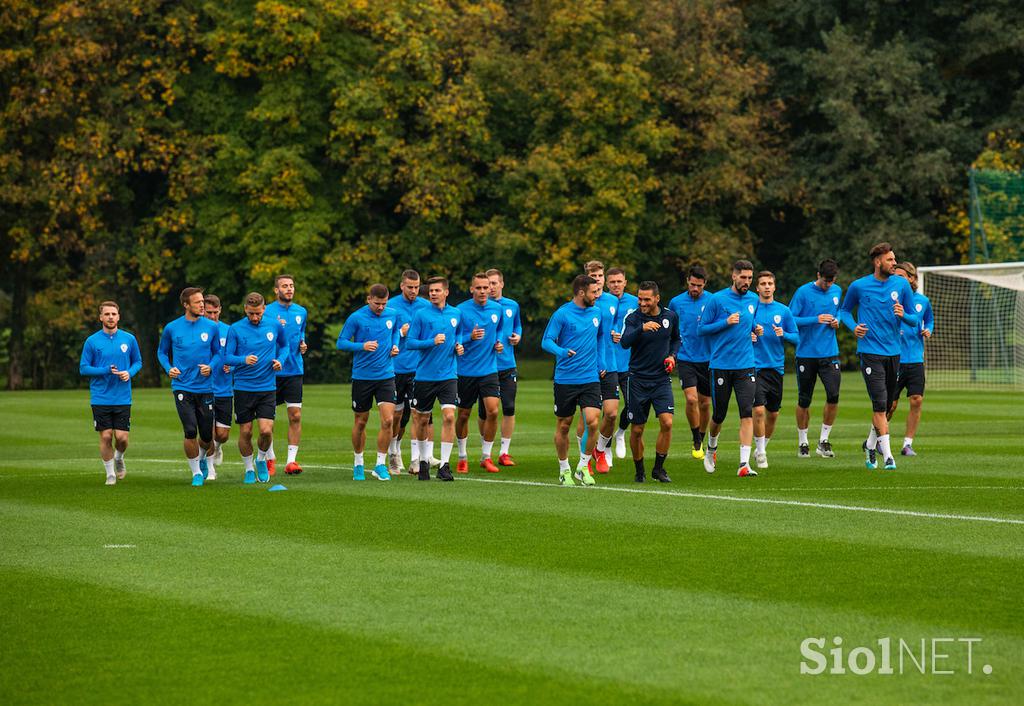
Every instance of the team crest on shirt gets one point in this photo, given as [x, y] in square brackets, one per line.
[204, 337]
[124, 346]
[612, 310]
[455, 323]
[778, 319]
[750, 308]
[664, 323]
[508, 313]
[298, 319]
[835, 300]
[894, 296]
[389, 323]
[494, 318]
[596, 322]
[270, 335]
[223, 342]
[917, 307]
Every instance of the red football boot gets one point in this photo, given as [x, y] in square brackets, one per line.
[488, 465]
[293, 469]
[271, 462]
[602, 462]
[462, 466]
[505, 460]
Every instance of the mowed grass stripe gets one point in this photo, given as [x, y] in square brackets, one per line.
[618, 632]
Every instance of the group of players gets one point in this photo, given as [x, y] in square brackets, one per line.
[412, 353]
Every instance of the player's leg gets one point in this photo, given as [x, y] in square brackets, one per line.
[720, 398]
[264, 411]
[244, 416]
[107, 453]
[204, 425]
[294, 410]
[662, 446]
[637, 411]
[468, 397]
[386, 413]
[362, 402]
[509, 381]
[688, 375]
[806, 378]
[609, 417]
[760, 419]
[444, 471]
[186, 406]
[591, 412]
[490, 428]
[873, 370]
[120, 447]
[620, 434]
[221, 432]
[562, 424]
[744, 384]
[831, 377]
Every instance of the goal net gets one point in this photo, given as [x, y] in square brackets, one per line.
[978, 341]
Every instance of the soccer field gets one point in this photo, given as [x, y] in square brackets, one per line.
[509, 588]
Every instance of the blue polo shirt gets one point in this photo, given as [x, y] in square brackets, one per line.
[186, 345]
[100, 351]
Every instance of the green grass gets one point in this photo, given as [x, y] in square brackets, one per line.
[505, 592]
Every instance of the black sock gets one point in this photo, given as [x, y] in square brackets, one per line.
[638, 463]
[659, 461]
[697, 437]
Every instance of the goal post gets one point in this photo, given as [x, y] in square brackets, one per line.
[978, 341]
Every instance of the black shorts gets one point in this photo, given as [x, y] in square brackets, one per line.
[695, 375]
[610, 386]
[508, 384]
[222, 411]
[911, 379]
[769, 389]
[444, 392]
[289, 390]
[644, 394]
[365, 392]
[474, 389]
[742, 382]
[111, 416]
[404, 385]
[254, 405]
[569, 397]
[880, 375]
[808, 371]
[195, 410]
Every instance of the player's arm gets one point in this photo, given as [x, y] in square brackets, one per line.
[630, 329]
[163, 351]
[710, 323]
[675, 339]
[796, 306]
[283, 348]
[850, 302]
[231, 355]
[413, 339]
[927, 320]
[551, 333]
[602, 333]
[909, 316]
[348, 332]
[789, 327]
[85, 363]
[517, 324]
[134, 358]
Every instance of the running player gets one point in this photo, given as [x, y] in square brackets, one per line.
[572, 336]
[728, 321]
[289, 379]
[257, 347]
[911, 377]
[882, 302]
[608, 305]
[407, 305]
[508, 377]
[694, 355]
[815, 308]
[434, 333]
[770, 362]
[652, 335]
[481, 331]
[110, 358]
[627, 304]
[372, 334]
[188, 348]
[222, 388]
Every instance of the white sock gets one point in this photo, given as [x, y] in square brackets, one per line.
[563, 464]
[462, 447]
[382, 458]
[744, 455]
[357, 459]
[414, 452]
[119, 455]
[261, 455]
[760, 443]
[579, 443]
[825, 429]
[430, 450]
[202, 453]
[584, 460]
[883, 446]
[108, 466]
[424, 451]
[872, 438]
[602, 442]
[505, 443]
[907, 441]
[620, 434]
[193, 465]
[249, 465]
[393, 446]
[446, 451]
[270, 452]
[293, 452]
[486, 447]
[712, 442]
[801, 435]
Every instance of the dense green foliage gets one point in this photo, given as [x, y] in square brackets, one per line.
[146, 145]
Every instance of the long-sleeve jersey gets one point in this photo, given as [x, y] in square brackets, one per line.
[694, 348]
[513, 324]
[575, 328]
[223, 384]
[768, 349]
[186, 345]
[873, 299]
[265, 340]
[650, 348]
[100, 351]
[817, 340]
[293, 318]
[628, 303]
[731, 347]
[362, 326]
[911, 340]
[408, 359]
[480, 358]
[608, 305]
[437, 362]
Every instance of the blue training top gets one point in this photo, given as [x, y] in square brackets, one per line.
[911, 340]
[480, 357]
[437, 362]
[408, 359]
[873, 299]
[293, 318]
[768, 349]
[628, 303]
[817, 340]
[362, 326]
[186, 345]
[575, 328]
[223, 385]
[731, 347]
[608, 305]
[513, 324]
[265, 340]
[695, 348]
[102, 350]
